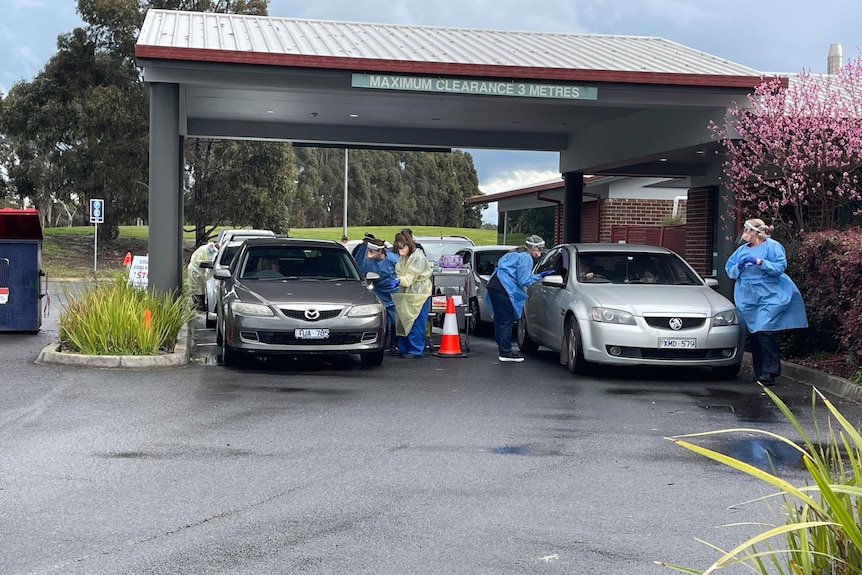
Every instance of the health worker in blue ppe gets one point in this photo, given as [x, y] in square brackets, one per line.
[506, 293]
[766, 298]
[413, 296]
[378, 259]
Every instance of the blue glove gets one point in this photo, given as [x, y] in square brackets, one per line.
[546, 273]
[394, 283]
[745, 261]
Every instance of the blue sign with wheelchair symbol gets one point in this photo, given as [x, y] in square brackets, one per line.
[97, 211]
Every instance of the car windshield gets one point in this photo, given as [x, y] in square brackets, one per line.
[436, 248]
[634, 268]
[288, 262]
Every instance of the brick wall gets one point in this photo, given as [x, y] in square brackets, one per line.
[635, 212]
[699, 240]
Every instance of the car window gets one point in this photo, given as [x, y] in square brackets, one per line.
[227, 254]
[486, 261]
[644, 268]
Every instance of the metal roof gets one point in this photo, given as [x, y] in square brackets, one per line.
[231, 38]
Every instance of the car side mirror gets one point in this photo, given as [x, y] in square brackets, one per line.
[553, 280]
[711, 282]
[221, 274]
[372, 276]
[206, 264]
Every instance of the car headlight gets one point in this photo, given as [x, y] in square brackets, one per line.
[365, 310]
[608, 315]
[729, 317]
[250, 309]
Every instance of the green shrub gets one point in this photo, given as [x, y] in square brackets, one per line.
[111, 317]
[818, 531]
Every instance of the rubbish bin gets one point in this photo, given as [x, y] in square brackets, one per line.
[23, 284]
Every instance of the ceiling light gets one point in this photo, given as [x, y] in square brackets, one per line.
[700, 152]
[662, 159]
[354, 115]
[270, 111]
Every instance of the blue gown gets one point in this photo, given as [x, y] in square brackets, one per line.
[386, 269]
[514, 270]
[766, 297]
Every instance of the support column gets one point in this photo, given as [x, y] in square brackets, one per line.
[572, 204]
[166, 198]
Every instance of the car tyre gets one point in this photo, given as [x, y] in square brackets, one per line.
[209, 323]
[525, 342]
[574, 352]
[474, 322]
[228, 354]
[727, 371]
[372, 359]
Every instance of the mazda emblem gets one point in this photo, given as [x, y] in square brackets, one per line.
[675, 323]
[312, 314]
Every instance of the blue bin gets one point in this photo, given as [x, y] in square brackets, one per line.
[21, 276]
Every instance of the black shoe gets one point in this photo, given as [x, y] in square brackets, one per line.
[765, 379]
[410, 356]
[511, 356]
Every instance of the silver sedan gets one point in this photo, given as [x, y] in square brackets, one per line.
[624, 304]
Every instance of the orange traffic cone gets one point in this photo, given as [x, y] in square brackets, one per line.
[450, 341]
[127, 261]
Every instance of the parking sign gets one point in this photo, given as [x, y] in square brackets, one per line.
[97, 211]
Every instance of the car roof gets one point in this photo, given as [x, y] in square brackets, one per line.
[619, 248]
[293, 242]
[490, 247]
[444, 238]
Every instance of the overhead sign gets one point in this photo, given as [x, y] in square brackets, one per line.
[97, 211]
[478, 87]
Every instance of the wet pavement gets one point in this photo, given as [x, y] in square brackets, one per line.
[439, 465]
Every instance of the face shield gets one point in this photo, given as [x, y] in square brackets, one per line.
[745, 234]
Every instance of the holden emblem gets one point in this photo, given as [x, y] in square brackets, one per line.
[312, 314]
[675, 323]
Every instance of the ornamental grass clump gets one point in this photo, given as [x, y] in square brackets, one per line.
[112, 317]
[817, 530]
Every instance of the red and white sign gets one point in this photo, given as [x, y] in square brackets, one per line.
[139, 271]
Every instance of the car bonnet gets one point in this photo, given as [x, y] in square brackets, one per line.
[648, 299]
[305, 291]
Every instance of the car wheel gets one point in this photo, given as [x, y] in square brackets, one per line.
[372, 359]
[474, 322]
[209, 323]
[574, 353]
[228, 354]
[219, 336]
[525, 343]
[727, 371]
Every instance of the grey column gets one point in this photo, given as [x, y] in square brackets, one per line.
[166, 199]
[572, 203]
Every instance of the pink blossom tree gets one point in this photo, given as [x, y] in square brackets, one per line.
[794, 153]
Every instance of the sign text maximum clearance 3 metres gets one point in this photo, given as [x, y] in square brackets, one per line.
[479, 87]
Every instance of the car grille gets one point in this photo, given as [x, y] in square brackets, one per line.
[288, 338]
[668, 354]
[300, 314]
[687, 322]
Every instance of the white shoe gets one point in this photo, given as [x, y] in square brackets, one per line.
[511, 357]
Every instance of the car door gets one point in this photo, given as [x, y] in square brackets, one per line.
[536, 310]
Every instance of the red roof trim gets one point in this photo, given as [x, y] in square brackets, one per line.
[438, 68]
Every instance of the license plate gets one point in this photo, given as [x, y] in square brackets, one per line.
[673, 343]
[311, 333]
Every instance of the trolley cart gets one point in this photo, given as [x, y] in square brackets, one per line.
[458, 284]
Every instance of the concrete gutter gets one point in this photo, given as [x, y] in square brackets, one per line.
[179, 358]
[829, 384]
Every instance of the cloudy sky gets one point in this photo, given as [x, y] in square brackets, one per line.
[768, 35]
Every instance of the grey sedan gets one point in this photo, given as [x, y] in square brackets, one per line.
[296, 296]
[622, 304]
